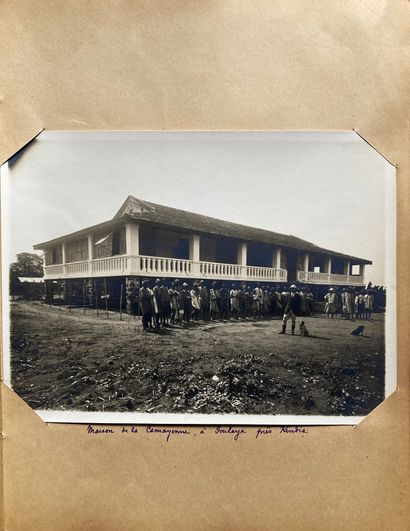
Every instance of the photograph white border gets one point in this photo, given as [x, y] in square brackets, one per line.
[85, 417]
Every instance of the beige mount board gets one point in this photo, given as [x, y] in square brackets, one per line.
[212, 65]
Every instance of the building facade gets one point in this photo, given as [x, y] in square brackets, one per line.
[148, 240]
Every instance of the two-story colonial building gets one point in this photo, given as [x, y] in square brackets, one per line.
[149, 240]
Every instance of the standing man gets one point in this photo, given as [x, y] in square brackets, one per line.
[165, 303]
[331, 303]
[195, 301]
[368, 304]
[186, 295]
[234, 296]
[348, 304]
[258, 300]
[146, 297]
[224, 298]
[309, 302]
[292, 307]
[213, 298]
[242, 300]
[157, 302]
[204, 300]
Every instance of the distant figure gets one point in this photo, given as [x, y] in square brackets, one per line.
[303, 308]
[213, 299]
[348, 303]
[331, 303]
[257, 301]
[224, 301]
[146, 298]
[359, 305]
[242, 300]
[187, 302]
[248, 301]
[234, 299]
[309, 302]
[173, 303]
[195, 301]
[368, 304]
[358, 331]
[292, 304]
[157, 302]
[165, 304]
[204, 300]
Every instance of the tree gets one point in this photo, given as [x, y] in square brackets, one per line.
[27, 265]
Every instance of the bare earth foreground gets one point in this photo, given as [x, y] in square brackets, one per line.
[69, 361]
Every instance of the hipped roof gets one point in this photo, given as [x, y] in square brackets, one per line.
[137, 210]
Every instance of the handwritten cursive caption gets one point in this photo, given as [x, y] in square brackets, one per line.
[230, 432]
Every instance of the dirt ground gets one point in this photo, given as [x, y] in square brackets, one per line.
[69, 361]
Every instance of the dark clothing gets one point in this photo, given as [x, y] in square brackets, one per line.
[157, 294]
[293, 302]
[145, 300]
[204, 297]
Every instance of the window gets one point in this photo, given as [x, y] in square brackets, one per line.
[355, 270]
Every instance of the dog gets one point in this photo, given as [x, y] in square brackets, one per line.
[358, 331]
[303, 330]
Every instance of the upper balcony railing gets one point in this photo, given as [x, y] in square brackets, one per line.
[177, 267]
[162, 267]
[311, 277]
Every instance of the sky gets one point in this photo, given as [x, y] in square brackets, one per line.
[330, 188]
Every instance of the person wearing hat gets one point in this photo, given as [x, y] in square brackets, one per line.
[204, 300]
[368, 304]
[331, 303]
[157, 302]
[146, 297]
[257, 301]
[195, 301]
[292, 307]
[187, 303]
[214, 299]
[348, 303]
[234, 297]
[224, 302]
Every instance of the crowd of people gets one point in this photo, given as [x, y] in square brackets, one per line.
[178, 303]
[351, 304]
[167, 303]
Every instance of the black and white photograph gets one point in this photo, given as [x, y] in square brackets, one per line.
[194, 277]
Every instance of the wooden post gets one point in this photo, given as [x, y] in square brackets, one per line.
[69, 295]
[96, 296]
[84, 296]
[105, 297]
[122, 286]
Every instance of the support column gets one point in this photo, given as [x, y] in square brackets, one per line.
[242, 257]
[132, 236]
[328, 267]
[63, 257]
[277, 258]
[90, 240]
[195, 254]
[306, 262]
[361, 269]
[346, 268]
[132, 247]
[49, 291]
